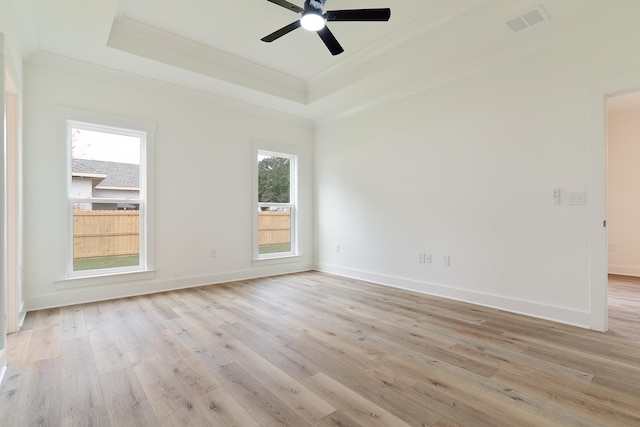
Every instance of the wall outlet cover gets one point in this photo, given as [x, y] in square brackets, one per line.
[578, 198]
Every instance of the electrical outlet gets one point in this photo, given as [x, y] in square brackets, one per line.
[578, 198]
[446, 261]
[421, 258]
[338, 247]
[427, 258]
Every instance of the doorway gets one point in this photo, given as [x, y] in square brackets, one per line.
[623, 192]
[623, 210]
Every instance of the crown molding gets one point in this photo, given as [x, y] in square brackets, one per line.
[152, 43]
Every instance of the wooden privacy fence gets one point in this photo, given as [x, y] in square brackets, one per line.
[117, 233]
[274, 228]
[105, 233]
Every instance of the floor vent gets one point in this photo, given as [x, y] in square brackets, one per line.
[527, 19]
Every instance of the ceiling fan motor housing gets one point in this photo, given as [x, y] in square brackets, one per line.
[314, 6]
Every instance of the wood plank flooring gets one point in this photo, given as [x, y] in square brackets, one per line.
[312, 349]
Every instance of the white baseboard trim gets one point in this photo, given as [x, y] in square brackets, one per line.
[90, 294]
[3, 365]
[556, 314]
[22, 314]
[624, 270]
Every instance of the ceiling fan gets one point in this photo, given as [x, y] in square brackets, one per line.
[313, 19]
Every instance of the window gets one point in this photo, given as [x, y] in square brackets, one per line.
[107, 199]
[276, 205]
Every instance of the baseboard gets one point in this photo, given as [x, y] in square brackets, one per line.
[22, 314]
[3, 365]
[624, 270]
[107, 292]
[527, 308]
[102, 293]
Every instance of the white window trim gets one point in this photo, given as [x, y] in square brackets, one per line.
[278, 150]
[125, 126]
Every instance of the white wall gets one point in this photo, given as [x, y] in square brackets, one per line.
[12, 43]
[624, 195]
[466, 170]
[203, 176]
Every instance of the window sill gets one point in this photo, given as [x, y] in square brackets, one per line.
[284, 259]
[104, 279]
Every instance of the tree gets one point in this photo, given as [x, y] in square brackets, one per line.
[274, 180]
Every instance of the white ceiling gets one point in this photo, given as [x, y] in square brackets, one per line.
[236, 27]
[214, 46]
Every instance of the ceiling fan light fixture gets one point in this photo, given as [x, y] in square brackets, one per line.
[312, 21]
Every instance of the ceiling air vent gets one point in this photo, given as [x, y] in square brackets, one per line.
[527, 19]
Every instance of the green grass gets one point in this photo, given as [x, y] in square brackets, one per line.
[105, 262]
[273, 249]
[127, 261]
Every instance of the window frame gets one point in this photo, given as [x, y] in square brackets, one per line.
[294, 160]
[106, 123]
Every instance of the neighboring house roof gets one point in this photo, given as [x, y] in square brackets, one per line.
[117, 175]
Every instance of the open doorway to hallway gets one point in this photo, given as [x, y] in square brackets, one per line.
[623, 212]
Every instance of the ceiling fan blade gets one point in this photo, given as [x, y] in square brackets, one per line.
[359, 15]
[281, 32]
[330, 41]
[284, 3]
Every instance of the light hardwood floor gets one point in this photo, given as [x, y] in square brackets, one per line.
[312, 349]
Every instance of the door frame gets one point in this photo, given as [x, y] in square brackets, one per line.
[600, 91]
[13, 200]
[3, 209]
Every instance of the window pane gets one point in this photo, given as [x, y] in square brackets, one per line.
[274, 230]
[105, 165]
[104, 146]
[106, 238]
[274, 179]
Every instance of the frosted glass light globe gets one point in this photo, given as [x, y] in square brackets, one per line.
[312, 22]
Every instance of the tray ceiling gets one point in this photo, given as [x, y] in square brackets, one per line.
[214, 45]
